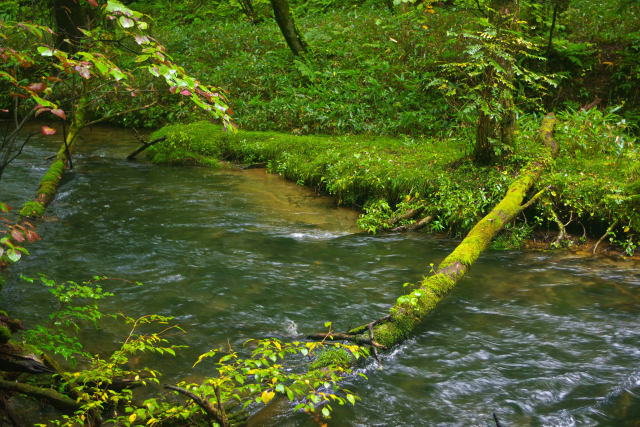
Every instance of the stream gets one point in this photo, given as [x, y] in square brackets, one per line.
[537, 338]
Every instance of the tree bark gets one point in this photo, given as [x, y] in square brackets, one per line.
[411, 309]
[287, 25]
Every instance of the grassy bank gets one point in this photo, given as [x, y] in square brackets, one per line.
[369, 71]
[592, 185]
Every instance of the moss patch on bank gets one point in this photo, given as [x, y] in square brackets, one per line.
[592, 184]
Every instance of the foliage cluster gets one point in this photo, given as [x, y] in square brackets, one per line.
[103, 386]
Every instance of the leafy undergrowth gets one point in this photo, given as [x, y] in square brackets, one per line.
[369, 71]
[592, 185]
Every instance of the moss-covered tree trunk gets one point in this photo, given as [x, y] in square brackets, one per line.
[287, 25]
[51, 180]
[411, 309]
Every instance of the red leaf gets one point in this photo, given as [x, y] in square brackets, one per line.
[93, 3]
[32, 236]
[4, 110]
[173, 89]
[58, 112]
[40, 109]
[46, 130]
[141, 39]
[83, 71]
[17, 235]
[37, 87]
[185, 92]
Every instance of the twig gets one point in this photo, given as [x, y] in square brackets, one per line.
[535, 197]
[144, 147]
[66, 145]
[495, 418]
[101, 119]
[375, 349]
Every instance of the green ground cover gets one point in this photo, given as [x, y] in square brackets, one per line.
[371, 72]
[592, 184]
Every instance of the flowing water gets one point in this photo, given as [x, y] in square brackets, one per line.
[536, 338]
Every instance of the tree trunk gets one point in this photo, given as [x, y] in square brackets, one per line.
[482, 150]
[249, 11]
[504, 15]
[411, 309]
[389, 4]
[285, 21]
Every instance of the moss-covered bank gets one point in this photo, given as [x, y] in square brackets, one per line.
[592, 183]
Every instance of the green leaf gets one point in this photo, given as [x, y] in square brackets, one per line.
[13, 255]
[125, 22]
[45, 51]
[325, 412]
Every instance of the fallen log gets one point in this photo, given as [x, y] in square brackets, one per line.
[51, 180]
[411, 309]
[57, 399]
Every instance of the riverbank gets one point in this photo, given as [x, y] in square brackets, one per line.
[591, 188]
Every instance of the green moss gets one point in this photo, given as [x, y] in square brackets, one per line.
[396, 331]
[32, 209]
[333, 356]
[50, 180]
[5, 334]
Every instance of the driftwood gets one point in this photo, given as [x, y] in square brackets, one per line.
[415, 226]
[411, 309]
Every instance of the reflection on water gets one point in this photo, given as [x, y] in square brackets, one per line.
[536, 338]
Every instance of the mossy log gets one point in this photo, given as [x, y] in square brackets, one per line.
[411, 309]
[51, 180]
[57, 399]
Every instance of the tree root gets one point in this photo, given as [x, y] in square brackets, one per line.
[595, 247]
[562, 227]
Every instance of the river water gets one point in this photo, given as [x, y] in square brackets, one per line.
[536, 338]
